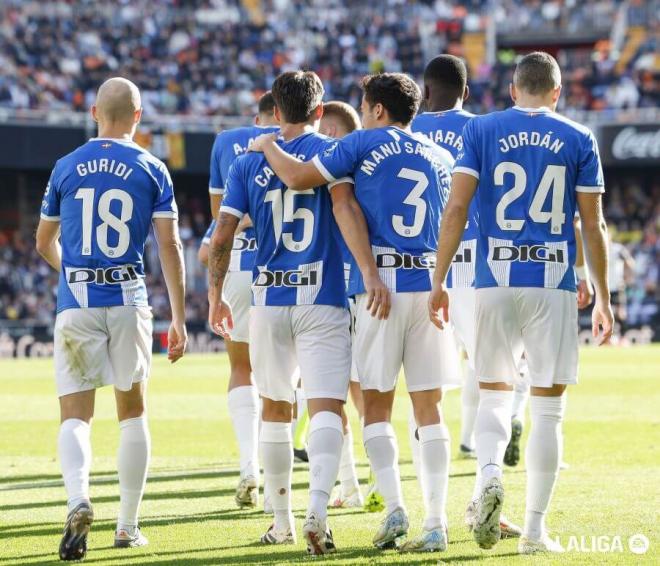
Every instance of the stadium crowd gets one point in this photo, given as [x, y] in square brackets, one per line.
[209, 57]
[28, 285]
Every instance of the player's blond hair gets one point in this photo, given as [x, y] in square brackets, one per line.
[344, 113]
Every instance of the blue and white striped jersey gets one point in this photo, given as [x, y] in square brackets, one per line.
[531, 163]
[244, 251]
[104, 194]
[298, 260]
[402, 183]
[445, 129]
[228, 145]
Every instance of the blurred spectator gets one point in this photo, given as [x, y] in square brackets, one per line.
[214, 57]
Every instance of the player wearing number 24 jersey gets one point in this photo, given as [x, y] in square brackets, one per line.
[530, 164]
[104, 195]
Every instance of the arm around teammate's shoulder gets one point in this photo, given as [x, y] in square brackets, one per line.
[170, 251]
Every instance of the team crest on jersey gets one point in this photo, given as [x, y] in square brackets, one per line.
[329, 151]
[106, 145]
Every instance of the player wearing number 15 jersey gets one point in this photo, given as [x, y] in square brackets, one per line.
[299, 316]
[102, 199]
[530, 168]
[401, 182]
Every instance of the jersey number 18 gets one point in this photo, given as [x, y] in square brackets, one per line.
[108, 220]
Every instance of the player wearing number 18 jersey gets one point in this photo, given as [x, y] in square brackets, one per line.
[103, 199]
[530, 168]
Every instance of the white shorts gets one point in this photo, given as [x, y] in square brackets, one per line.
[102, 346]
[354, 372]
[314, 337]
[238, 294]
[461, 317]
[542, 323]
[429, 356]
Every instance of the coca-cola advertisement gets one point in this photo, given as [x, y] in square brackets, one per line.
[635, 144]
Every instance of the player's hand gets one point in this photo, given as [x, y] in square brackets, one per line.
[261, 141]
[585, 293]
[602, 318]
[177, 338]
[439, 306]
[220, 319]
[379, 300]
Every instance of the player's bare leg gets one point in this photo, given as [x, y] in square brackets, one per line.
[324, 447]
[75, 453]
[132, 462]
[542, 458]
[276, 445]
[434, 456]
[243, 402]
[382, 450]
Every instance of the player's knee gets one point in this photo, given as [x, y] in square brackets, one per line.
[277, 411]
[330, 405]
[425, 406]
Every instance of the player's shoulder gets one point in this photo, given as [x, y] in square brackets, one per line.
[242, 134]
[580, 130]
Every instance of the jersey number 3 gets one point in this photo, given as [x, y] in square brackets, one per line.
[108, 220]
[554, 179]
[415, 199]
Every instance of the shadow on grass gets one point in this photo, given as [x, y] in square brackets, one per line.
[267, 556]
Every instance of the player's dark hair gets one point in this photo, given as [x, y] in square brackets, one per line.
[537, 73]
[445, 78]
[297, 94]
[344, 112]
[397, 92]
[266, 103]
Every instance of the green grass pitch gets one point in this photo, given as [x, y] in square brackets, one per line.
[612, 440]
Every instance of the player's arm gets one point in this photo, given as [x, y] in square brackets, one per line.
[594, 233]
[47, 242]
[216, 202]
[216, 183]
[170, 251]
[353, 226]
[295, 174]
[454, 217]
[203, 253]
[585, 290]
[222, 241]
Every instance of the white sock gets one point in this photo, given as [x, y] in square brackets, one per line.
[324, 446]
[520, 398]
[277, 457]
[75, 453]
[382, 450]
[492, 431]
[476, 490]
[469, 406]
[347, 472]
[542, 458]
[414, 445]
[132, 463]
[435, 456]
[243, 404]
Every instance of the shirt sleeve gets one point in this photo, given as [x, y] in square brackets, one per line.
[216, 183]
[209, 231]
[50, 205]
[590, 170]
[468, 160]
[236, 201]
[339, 160]
[164, 204]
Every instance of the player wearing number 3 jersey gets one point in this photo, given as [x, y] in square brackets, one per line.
[401, 182]
[102, 200]
[528, 168]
